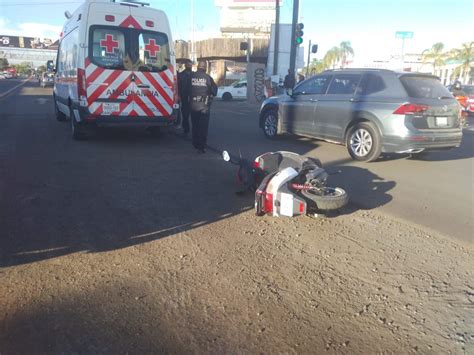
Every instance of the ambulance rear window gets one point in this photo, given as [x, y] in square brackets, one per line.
[128, 49]
[108, 47]
[154, 51]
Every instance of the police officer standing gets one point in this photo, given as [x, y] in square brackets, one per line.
[203, 88]
[184, 84]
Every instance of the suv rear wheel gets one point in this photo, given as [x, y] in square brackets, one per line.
[363, 142]
[227, 96]
[270, 123]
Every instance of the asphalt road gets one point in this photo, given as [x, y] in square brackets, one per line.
[7, 85]
[59, 196]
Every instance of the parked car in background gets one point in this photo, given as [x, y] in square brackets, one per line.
[2, 76]
[371, 111]
[7, 75]
[469, 90]
[237, 90]
[46, 79]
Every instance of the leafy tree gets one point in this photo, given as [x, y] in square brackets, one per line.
[4, 63]
[315, 67]
[345, 49]
[23, 68]
[435, 55]
[466, 55]
[332, 57]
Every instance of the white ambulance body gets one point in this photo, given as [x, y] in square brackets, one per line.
[116, 67]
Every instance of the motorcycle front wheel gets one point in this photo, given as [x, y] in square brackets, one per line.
[327, 198]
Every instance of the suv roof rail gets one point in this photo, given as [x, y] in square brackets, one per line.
[356, 69]
[132, 2]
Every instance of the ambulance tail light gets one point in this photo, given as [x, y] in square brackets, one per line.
[81, 87]
[175, 90]
[110, 18]
[268, 202]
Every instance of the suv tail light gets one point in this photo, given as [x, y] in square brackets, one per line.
[81, 87]
[410, 109]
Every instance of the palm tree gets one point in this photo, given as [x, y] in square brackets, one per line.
[317, 66]
[345, 49]
[332, 57]
[434, 55]
[466, 56]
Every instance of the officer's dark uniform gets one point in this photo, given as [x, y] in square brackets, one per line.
[203, 88]
[184, 83]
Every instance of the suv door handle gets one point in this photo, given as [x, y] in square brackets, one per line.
[353, 100]
[313, 100]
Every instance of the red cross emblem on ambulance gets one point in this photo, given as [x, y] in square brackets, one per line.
[152, 48]
[109, 44]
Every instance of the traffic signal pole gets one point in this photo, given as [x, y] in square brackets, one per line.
[309, 57]
[296, 5]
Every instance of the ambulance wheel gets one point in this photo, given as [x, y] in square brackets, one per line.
[328, 199]
[77, 130]
[58, 114]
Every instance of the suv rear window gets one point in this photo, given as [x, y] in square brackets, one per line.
[424, 87]
[128, 49]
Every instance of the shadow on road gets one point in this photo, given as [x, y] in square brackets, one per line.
[59, 196]
[103, 320]
[366, 190]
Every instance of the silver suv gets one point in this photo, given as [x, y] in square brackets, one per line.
[371, 111]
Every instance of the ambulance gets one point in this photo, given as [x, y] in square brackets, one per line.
[115, 67]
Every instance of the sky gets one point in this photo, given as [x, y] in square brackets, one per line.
[369, 25]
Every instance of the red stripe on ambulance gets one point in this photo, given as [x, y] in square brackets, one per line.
[159, 88]
[158, 105]
[130, 22]
[96, 94]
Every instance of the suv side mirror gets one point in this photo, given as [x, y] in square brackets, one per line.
[289, 92]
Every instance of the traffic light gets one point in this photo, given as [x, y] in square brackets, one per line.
[299, 34]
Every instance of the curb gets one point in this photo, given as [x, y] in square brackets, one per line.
[14, 88]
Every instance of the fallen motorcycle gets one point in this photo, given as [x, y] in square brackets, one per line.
[287, 184]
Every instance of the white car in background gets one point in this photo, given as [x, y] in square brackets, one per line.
[237, 90]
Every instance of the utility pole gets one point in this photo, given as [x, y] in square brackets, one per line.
[193, 51]
[277, 37]
[296, 5]
[309, 57]
[248, 49]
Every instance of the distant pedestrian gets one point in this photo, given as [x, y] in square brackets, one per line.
[203, 88]
[289, 82]
[184, 87]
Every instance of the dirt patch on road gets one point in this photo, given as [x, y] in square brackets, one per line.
[360, 283]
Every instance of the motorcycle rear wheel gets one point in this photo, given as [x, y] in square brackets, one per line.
[327, 198]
